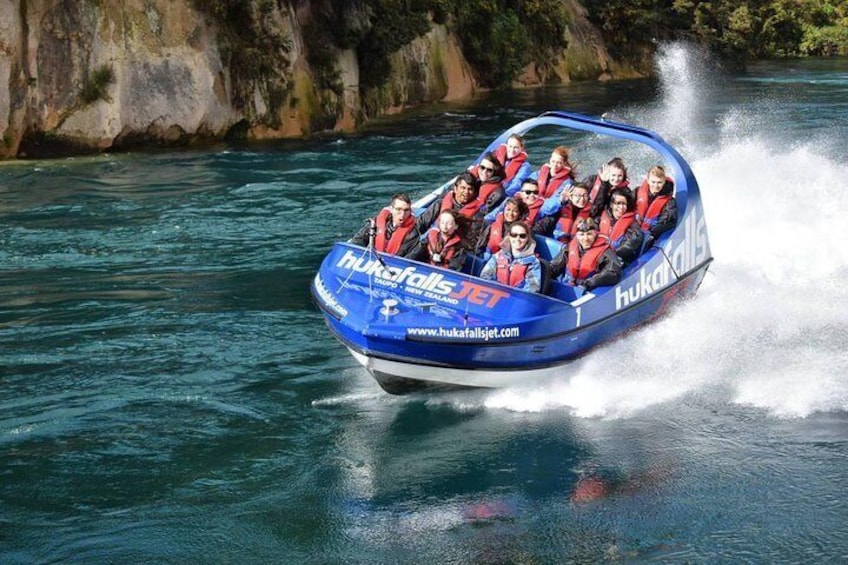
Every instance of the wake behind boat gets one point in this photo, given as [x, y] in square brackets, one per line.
[413, 325]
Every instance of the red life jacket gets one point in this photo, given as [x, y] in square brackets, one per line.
[615, 229]
[393, 244]
[511, 274]
[469, 210]
[596, 186]
[486, 189]
[567, 223]
[446, 249]
[647, 210]
[583, 267]
[496, 233]
[510, 167]
[549, 185]
[534, 210]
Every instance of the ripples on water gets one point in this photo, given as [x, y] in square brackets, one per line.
[169, 392]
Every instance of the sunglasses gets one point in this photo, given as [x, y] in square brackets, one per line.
[530, 191]
[518, 235]
[485, 168]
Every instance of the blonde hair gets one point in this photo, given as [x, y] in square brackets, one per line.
[657, 171]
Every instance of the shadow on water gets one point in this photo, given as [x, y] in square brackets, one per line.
[414, 468]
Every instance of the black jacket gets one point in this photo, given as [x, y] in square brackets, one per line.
[608, 271]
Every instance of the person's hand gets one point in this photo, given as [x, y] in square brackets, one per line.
[566, 193]
[604, 172]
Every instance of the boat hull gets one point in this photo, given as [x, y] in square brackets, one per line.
[416, 368]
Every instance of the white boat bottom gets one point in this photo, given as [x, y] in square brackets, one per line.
[398, 377]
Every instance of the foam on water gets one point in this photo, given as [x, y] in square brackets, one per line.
[769, 326]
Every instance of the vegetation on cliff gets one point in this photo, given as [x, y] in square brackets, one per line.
[254, 49]
[498, 37]
[733, 29]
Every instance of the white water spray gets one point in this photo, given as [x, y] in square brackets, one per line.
[769, 327]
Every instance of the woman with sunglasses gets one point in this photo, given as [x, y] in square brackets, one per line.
[530, 195]
[516, 264]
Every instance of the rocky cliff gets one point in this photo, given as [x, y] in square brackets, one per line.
[87, 75]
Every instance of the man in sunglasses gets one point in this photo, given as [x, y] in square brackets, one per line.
[516, 264]
[530, 196]
[394, 229]
[588, 260]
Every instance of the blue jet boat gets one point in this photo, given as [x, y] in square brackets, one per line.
[414, 326]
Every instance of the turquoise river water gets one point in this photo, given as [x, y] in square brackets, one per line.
[169, 393]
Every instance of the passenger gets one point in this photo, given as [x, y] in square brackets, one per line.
[618, 223]
[530, 195]
[612, 175]
[444, 246]
[492, 234]
[563, 225]
[396, 231]
[656, 208]
[462, 198]
[516, 263]
[514, 157]
[490, 172]
[589, 261]
[556, 174]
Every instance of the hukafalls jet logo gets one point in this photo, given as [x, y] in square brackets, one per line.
[684, 256]
[430, 285]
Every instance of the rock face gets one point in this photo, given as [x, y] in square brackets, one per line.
[167, 81]
[95, 75]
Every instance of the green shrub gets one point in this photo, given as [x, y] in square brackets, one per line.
[322, 59]
[500, 38]
[394, 23]
[494, 42]
[733, 29]
[252, 47]
[825, 41]
[95, 85]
